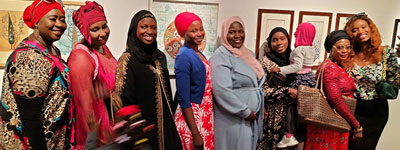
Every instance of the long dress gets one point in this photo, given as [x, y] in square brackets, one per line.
[204, 117]
[148, 85]
[236, 92]
[89, 66]
[336, 83]
[36, 111]
[276, 105]
[372, 112]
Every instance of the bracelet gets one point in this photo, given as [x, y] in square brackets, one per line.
[357, 130]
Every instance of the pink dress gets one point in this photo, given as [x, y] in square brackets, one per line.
[204, 117]
[88, 66]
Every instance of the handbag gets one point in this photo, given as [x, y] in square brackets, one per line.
[314, 109]
[384, 89]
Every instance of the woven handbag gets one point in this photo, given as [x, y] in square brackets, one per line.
[314, 109]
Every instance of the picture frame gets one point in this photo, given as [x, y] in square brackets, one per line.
[341, 19]
[396, 32]
[267, 20]
[322, 22]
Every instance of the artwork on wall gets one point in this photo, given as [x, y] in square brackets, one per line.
[396, 32]
[168, 38]
[267, 20]
[71, 35]
[341, 19]
[322, 22]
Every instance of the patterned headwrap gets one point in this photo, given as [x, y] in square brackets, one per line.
[34, 12]
[184, 20]
[86, 15]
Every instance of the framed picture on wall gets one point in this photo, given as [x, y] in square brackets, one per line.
[341, 19]
[396, 32]
[322, 22]
[268, 19]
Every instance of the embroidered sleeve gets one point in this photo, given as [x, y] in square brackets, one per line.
[123, 83]
[393, 70]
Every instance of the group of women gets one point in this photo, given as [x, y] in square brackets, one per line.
[224, 103]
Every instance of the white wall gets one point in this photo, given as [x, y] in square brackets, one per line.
[382, 12]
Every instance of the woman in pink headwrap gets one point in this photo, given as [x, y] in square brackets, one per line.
[36, 111]
[92, 71]
[195, 114]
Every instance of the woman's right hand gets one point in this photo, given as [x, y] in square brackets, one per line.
[198, 143]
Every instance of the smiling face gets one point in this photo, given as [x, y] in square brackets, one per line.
[147, 30]
[361, 31]
[99, 33]
[52, 25]
[195, 33]
[340, 50]
[279, 42]
[235, 36]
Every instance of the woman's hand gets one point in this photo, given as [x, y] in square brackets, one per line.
[92, 123]
[275, 69]
[198, 142]
[357, 136]
[251, 117]
[292, 93]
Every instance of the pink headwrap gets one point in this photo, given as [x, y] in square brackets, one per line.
[34, 12]
[305, 34]
[86, 15]
[243, 52]
[184, 20]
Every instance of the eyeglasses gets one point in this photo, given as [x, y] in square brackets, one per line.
[343, 47]
[357, 16]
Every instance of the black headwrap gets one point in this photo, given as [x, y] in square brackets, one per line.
[279, 59]
[333, 37]
[144, 53]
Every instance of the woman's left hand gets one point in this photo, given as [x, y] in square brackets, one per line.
[274, 70]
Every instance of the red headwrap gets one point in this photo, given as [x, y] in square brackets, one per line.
[305, 34]
[34, 12]
[184, 20]
[128, 110]
[86, 15]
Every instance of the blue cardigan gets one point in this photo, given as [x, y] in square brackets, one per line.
[190, 76]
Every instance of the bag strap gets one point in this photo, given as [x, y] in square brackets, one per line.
[384, 68]
[319, 79]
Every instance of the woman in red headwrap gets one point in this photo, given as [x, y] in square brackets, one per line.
[195, 114]
[92, 71]
[36, 111]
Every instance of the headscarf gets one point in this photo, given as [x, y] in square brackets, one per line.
[279, 59]
[242, 52]
[184, 20]
[305, 34]
[86, 15]
[34, 12]
[333, 37]
[144, 53]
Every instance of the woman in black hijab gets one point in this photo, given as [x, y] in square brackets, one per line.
[278, 96]
[142, 79]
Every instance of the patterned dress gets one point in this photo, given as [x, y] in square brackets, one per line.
[336, 83]
[276, 104]
[36, 111]
[204, 117]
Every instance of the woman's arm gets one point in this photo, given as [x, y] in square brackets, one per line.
[272, 94]
[124, 93]
[393, 70]
[334, 94]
